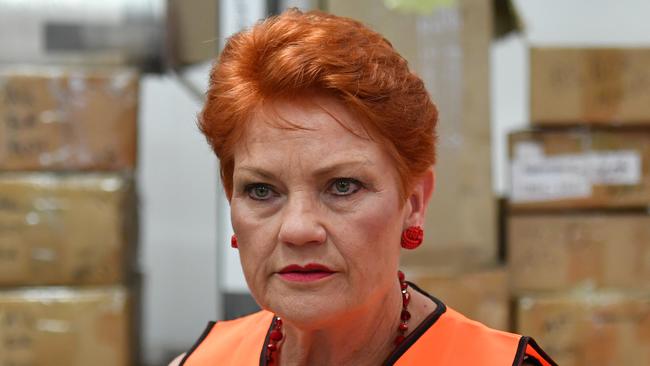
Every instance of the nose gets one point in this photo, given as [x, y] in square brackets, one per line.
[301, 222]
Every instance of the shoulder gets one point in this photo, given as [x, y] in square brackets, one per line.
[231, 339]
[454, 339]
[501, 345]
[447, 337]
[477, 334]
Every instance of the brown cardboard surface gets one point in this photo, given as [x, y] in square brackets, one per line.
[449, 48]
[195, 30]
[605, 328]
[580, 168]
[66, 229]
[68, 119]
[481, 295]
[590, 85]
[582, 250]
[65, 326]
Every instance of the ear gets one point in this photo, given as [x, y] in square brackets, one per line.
[418, 199]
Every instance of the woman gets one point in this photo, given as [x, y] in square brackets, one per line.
[326, 143]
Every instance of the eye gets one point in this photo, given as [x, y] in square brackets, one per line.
[259, 191]
[344, 186]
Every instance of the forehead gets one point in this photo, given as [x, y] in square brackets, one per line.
[300, 129]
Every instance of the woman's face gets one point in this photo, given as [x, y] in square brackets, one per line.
[317, 213]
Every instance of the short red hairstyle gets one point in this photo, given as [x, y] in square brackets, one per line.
[296, 53]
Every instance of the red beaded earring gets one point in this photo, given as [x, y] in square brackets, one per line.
[412, 237]
[233, 241]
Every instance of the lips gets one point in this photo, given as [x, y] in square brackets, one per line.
[308, 273]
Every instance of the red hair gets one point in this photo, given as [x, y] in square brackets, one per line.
[294, 53]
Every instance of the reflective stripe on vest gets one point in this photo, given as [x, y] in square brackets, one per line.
[452, 340]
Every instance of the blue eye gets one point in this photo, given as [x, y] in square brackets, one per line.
[259, 191]
[344, 186]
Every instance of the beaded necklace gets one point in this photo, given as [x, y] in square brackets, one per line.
[276, 335]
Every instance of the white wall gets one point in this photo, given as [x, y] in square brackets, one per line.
[178, 185]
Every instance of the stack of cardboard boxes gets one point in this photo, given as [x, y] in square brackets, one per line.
[578, 227]
[68, 218]
[448, 46]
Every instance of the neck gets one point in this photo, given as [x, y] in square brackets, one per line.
[363, 337]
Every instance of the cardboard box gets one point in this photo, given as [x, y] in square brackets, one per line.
[590, 85]
[580, 168]
[449, 48]
[68, 119]
[583, 250]
[66, 229]
[481, 295]
[193, 30]
[66, 326]
[605, 329]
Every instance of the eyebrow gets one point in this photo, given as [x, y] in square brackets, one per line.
[323, 171]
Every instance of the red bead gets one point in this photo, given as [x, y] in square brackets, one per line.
[271, 347]
[400, 275]
[399, 339]
[276, 335]
[403, 327]
[406, 298]
[278, 323]
[404, 316]
[404, 285]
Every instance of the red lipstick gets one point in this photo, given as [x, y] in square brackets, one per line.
[308, 273]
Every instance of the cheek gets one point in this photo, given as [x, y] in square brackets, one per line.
[250, 226]
[372, 233]
[255, 244]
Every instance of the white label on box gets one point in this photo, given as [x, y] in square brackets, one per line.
[536, 178]
[615, 168]
[541, 180]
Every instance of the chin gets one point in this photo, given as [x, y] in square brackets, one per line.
[309, 317]
[307, 309]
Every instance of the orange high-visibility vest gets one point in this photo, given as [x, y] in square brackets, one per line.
[444, 338]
